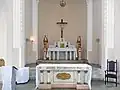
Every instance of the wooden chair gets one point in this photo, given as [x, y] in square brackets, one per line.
[111, 71]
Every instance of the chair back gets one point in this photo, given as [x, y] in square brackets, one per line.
[112, 66]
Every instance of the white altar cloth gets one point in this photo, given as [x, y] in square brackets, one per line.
[79, 74]
[8, 77]
[71, 50]
[22, 75]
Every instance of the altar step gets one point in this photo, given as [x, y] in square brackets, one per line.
[62, 61]
[96, 72]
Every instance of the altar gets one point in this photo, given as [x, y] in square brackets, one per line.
[76, 76]
[62, 51]
[50, 74]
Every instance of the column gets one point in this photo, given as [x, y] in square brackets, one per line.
[78, 77]
[89, 25]
[57, 55]
[22, 49]
[9, 32]
[35, 4]
[53, 55]
[79, 55]
[108, 31]
[48, 77]
[74, 55]
[19, 32]
[66, 54]
[110, 24]
[37, 76]
[89, 77]
[41, 77]
[70, 55]
[49, 52]
[82, 78]
[44, 55]
[16, 24]
[86, 77]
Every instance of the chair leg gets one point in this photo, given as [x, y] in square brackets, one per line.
[116, 82]
[105, 80]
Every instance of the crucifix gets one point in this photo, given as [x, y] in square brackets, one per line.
[62, 24]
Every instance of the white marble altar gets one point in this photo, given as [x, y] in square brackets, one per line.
[62, 53]
[62, 50]
[63, 76]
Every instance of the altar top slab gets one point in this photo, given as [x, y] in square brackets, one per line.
[63, 65]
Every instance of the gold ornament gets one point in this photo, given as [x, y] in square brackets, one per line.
[63, 76]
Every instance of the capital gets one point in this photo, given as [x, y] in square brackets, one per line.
[88, 2]
[37, 1]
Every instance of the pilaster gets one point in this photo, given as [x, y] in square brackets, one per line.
[18, 33]
[35, 4]
[89, 4]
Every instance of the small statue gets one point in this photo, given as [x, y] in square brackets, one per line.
[78, 47]
[45, 42]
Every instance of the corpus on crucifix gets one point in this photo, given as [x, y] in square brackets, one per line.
[62, 25]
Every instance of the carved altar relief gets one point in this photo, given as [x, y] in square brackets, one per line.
[63, 76]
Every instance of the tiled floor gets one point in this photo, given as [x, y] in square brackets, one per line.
[96, 85]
